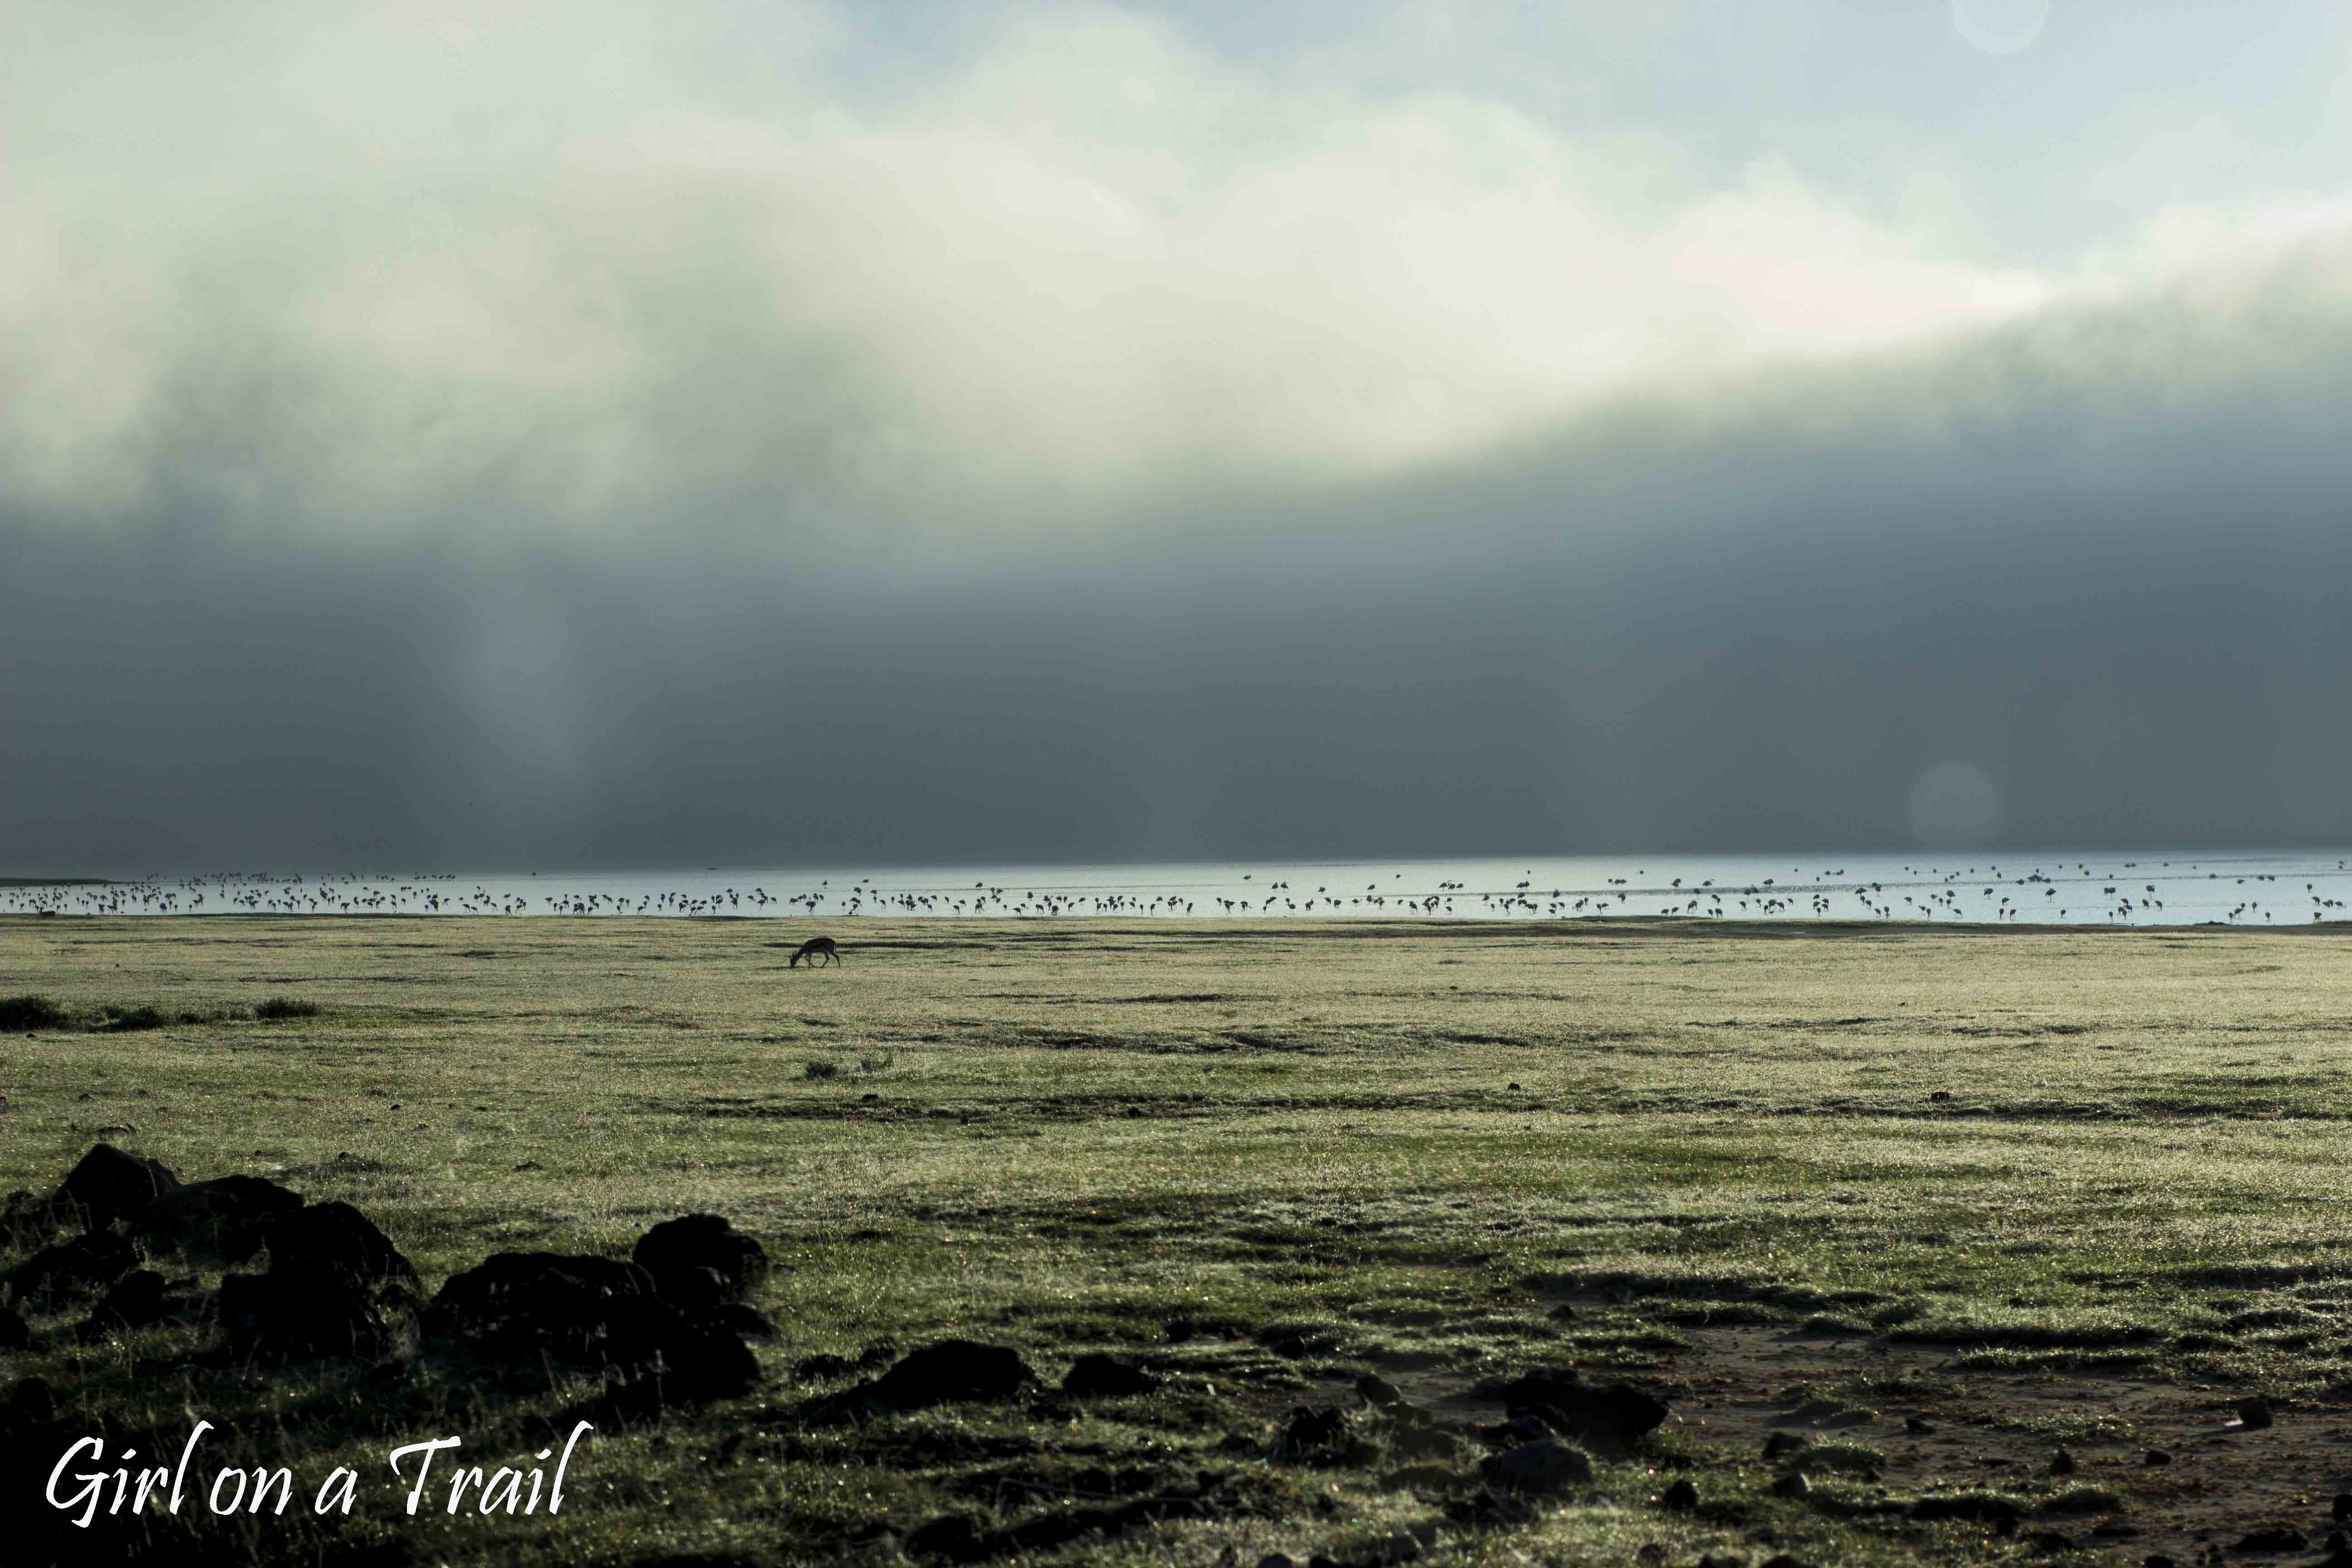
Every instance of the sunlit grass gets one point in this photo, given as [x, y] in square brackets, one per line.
[1398, 1146]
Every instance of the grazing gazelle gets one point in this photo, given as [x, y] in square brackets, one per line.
[817, 950]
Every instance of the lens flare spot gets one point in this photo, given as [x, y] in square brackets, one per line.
[1999, 27]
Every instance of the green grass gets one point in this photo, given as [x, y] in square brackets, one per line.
[1265, 1159]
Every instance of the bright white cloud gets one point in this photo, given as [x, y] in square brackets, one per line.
[585, 274]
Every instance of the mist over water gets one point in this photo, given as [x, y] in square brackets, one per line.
[2152, 888]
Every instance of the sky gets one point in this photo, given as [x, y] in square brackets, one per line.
[496, 436]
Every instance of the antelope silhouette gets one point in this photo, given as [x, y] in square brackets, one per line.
[817, 950]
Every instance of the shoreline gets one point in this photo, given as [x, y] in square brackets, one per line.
[1587, 924]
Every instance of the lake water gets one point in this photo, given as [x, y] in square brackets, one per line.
[2167, 886]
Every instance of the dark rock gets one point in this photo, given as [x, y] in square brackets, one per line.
[1320, 1437]
[1779, 1445]
[2050, 1540]
[1309, 1428]
[136, 1301]
[2255, 1413]
[2157, 1457]
[738, 1318]
[2342, 1506]
[1792, 1484]
[2061, 1463]
[523, 1308]
[956, 1538]
[1106, 1377]
[1491, 1508]
[336, 1287]
[700, 1261]
[1512, 1433]
[334, 1241]
[1680, 1498]
[1277, 1560]
[30, 1405]
[279, 1317]
[15, 1334]
[1378, 1392]
[951, 1371]
[223, 1218]
[109, 1185]
[1979, 1507]
[1916, 1427]
[695, 1365]
[83, 1266]
[1538, 1467]
[2277, 1538]
[1610, 1417]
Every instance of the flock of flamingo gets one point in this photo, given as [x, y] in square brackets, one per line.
[2062, 895]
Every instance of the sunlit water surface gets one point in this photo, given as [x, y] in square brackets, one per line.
[2153, 887]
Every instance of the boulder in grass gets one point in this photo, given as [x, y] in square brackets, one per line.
[951, 1538]
[1974, 1507]
[279, 1317]
[701, 1261]
[1608, 1416]
[29, 1405]
[738, 1318]
[952, 1372]
[1106, 1377]
[2273, 1538]
[108, 1184]
[135, 1301]
[695, 1365]
[334, 1241]
[82, 1267]
[336, 1288]
[225, 1218]
[15, 1334]
[1322, 1437]
[528, 1307]
[1537, 1468]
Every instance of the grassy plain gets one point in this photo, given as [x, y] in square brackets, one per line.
[2024, 1189]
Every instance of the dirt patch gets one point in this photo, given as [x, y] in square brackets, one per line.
[1933, 1430]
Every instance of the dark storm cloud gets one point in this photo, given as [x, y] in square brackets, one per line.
[460, 435]
[2099, 558]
